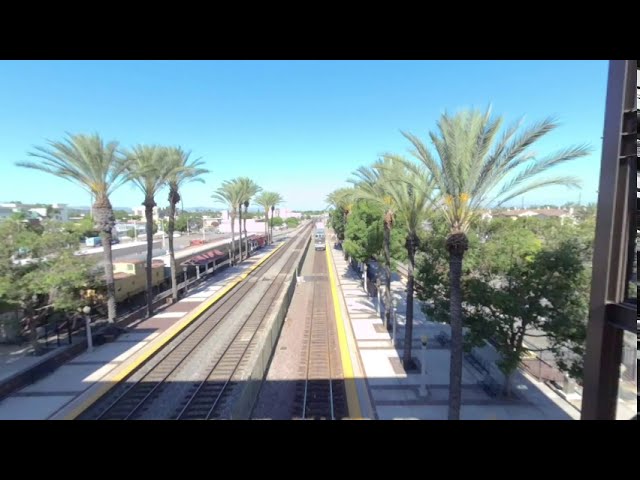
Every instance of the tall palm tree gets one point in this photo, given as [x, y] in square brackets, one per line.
[229, 194]
[372, 184]
[248, 188]
[474, 169]
[182, 171]
[98, 168]
[411, 192]
[267, 200]
[341, 200]
[148, 169]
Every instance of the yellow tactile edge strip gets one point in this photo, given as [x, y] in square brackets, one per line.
[119, 373]
[353, 399]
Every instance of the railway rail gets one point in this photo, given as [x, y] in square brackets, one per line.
[320, 392]
[131, 400]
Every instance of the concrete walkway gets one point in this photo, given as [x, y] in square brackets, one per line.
[51, 396]
[396, 394]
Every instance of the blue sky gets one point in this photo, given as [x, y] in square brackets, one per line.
[296, 127]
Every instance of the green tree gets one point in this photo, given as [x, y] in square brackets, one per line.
[372, 184]
[230, 194]
[277, 221]
[249, 189]
[363, 234]
[98, 168]
[411, 192]
[182, 170]
[542, 293]
[148, 169]
[121, 215]
[472, 170]
[268, 201]
[292, 222]
[341, 200]
[181, 223]
[53, 275]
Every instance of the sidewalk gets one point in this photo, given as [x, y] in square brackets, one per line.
[395, 394]
[55, 394]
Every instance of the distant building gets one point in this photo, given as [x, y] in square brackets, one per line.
[285, 213]
[56, 211]
[139, 211]
[547, 212]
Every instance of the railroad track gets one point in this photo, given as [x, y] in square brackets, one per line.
[320, 394]
[131, 401]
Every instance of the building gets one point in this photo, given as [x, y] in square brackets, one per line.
[139, 211]
[56, 211]
[547, 212]
[285, 213]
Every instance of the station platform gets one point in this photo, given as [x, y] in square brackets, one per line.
[394, 393]
[69, 389]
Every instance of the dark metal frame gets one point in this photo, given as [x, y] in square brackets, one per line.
[611, 313]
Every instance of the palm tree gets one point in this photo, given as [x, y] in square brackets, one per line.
[469, 167]
[148, 169]
[229, 194]
[248, 188]
[182, 171]
[98, 168]
[341, 200]
[411, 195]
[267, 200]
[371, 184]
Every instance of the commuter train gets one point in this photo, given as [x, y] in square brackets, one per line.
[319, 236]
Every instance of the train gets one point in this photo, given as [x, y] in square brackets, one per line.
[199, 259]
[319, 236]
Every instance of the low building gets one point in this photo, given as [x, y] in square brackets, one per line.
[547, 212]
[140, 212]
[285, 213]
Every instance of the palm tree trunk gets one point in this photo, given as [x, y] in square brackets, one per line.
[387, 271]
[408, 326]
[266, 225]
[456, 244]
[104, 221]
[148, 213]
[33, 326]
[233, 243]
[246, 238]
[508, 377]
[174, 198]
[240, 230]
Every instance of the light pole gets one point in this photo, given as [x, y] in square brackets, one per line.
[423, 382]
[273, 207]
[87, 321]
[184, 269]
[395, 308]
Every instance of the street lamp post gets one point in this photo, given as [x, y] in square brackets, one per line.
[185, 278]
[395, 308]
[87, 320]
[423, 382]
[271, 234]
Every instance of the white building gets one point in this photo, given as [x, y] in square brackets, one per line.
[285, 213]
[56, 211]
[139, 211]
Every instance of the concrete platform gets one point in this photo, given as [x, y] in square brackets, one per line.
[394, 394]
[56, 395]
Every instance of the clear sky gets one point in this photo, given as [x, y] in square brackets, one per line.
[296, 127]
